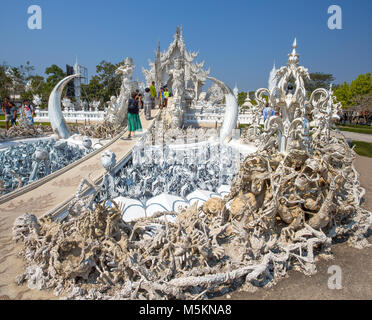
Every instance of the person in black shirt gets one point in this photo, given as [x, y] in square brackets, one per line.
[134, 121]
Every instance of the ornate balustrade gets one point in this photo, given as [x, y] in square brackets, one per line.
[209, 117]
[73, 116]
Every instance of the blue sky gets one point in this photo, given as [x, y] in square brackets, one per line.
[238, 40]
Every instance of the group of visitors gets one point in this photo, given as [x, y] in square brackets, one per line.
[10, 112]
[268, 112]
[355, 117]
[147, 102]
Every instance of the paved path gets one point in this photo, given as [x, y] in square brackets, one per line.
[42, 200]
[358, 136]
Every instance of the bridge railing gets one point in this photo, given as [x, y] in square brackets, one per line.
[72, 116]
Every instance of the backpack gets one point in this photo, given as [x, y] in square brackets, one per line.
[132, 106]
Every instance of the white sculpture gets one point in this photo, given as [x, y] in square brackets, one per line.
[67, 104]
[178, 73]
[57, 121]
[84, 105]
[236, 91]
[324, 110]
[112, 109]
[290, 100]
[194, 75]
[231, 113]
[247, 103]
[94, 105]
[37, 100]
[118, 108]
[126, 71]
[215, 94]
[198, 77]
[272, 79]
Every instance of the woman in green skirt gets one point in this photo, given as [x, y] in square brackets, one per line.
[134, 121]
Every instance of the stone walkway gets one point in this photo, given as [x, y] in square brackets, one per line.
[42, 200]
[357, 136]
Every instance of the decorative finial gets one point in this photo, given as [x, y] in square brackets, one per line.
[158, 52]
[293, 56]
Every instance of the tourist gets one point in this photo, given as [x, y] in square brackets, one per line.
[268, 112]
[6, 109]
[161, 98]
[165, 97]
[139, 99]
[148, 101]
[13, 112]
[28, 112]
[153, 94]
[134, 121]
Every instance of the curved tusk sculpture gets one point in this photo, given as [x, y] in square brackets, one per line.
[57, 121]
[231, 113]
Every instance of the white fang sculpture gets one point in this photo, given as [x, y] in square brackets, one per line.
[232, 110]
[57, 121]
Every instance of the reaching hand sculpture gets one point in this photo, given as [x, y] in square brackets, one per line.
[40, 155]
[108, 160]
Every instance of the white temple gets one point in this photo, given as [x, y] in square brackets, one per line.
[159, 71]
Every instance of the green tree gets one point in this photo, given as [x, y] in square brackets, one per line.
[319, 80]
[357, 93]
[37, 84]
[56, 74]
[94, 90]
[252, 96]
[5, 82]
[362, 85]
[26, 70]
[110, 82]
[241, 98]
[343, 94]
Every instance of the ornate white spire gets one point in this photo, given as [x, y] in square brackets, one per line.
[272, 78]
[293, 57]
[247, 103]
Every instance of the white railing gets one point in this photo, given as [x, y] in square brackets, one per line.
[214, 118]
[72, 116]
[198, 116]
